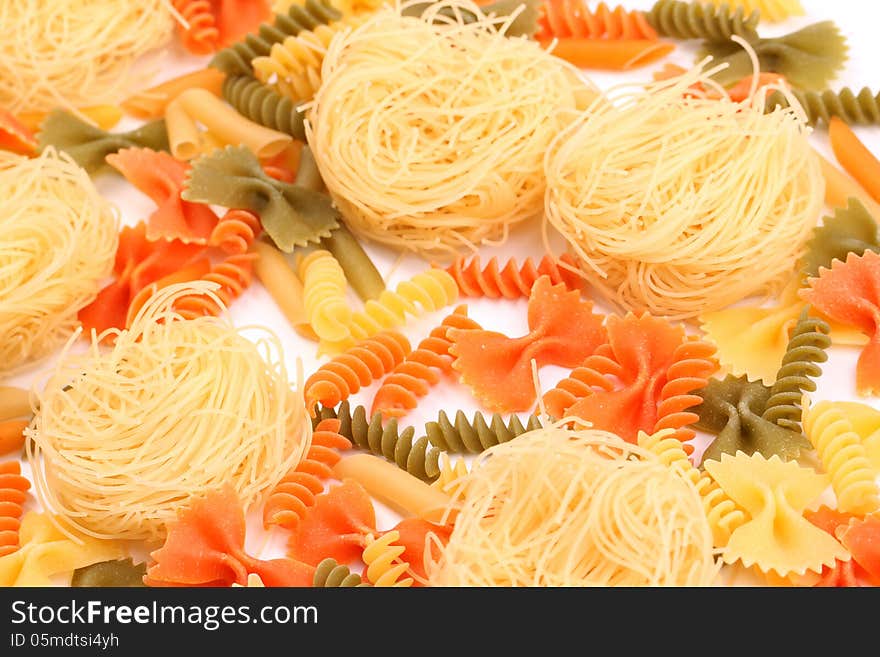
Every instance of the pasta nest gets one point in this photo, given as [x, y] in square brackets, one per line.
[75, 53]
[429, 132]
[124, 438]
[680, 204]
[58, 242]
[563, 507]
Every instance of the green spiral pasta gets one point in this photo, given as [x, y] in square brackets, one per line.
[806, 347]
[419, 457]
[331, 574]
[237, 58]
[477, 435]
[688, 20]
[856, 109]
[259, 103]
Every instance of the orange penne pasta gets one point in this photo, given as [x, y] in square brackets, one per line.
[855, 157]
[839, 187]
[612, 55]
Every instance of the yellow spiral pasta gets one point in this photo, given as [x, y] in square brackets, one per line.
[723, 514]
[382, 558]
[425, 292]
[844, 457]
[452, 473]
[770, 10]
[324, 287]
[293, 67]
[58, 241]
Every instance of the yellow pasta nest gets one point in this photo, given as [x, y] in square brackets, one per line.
[75, 53]
[680, 205]
[58, 241]
[175, 408]
[430, 132]
[561, 507]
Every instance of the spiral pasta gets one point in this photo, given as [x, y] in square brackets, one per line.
[359, 366]
[806, 347]
[261, 104]
[411, 379]
[693, 362]
[770, 10]
[382, 558]
[452, 472]
[424, 292]
[235, 232]
[324, 288]
[513, 280]
[856, 109]
[694, 20]
[330, 574]
[574, 18]
[232, 275]
[293, 67]
[597, 371]
[236, 59]
[844, 457]
[417, 457]
[723, 514]
[202, 35]
[13, 493]
[477, 435]
[296, 491]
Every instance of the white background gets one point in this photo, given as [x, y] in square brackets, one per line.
[858, 20]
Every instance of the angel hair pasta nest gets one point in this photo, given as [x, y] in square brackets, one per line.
[58, 241]
[430, 132]
[125, 437]
[681, 205]
[561, 507]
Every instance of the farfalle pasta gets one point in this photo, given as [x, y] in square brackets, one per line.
[776, 538]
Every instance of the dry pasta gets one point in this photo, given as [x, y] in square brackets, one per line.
[684, 215]
[627, 520]
[58, 240]
[224, 126]
[118, 433]
[75, 53]
[433, 172]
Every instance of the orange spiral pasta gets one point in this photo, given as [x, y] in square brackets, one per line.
[359, 366]
[574, 19]
[235, 231]
[512, 280]
[13, 492]
[297, 490]
[400, 391]
[202, 37]
[594, 372]
[232, 275]
[692, 365]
